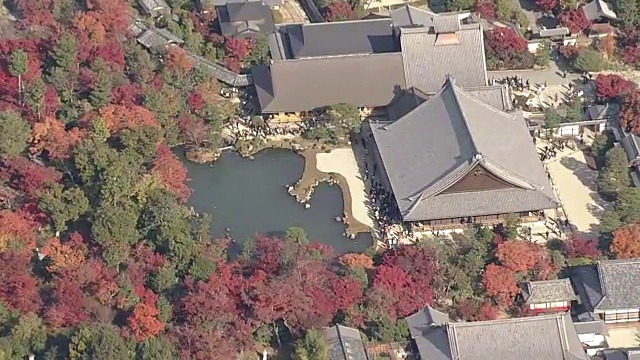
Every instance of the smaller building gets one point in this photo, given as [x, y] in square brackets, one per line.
[245, 19]
[345, 343]
[153, 6]
[153, 38]
[610, 290]
[598, 11]
[592, 335]
[210, 5]
[549, 296]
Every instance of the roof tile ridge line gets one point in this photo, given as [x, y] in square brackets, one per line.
[562, 330]
[344, 22]
[601, 279]
[390, 126]
[485, 105]
[344, 351]
[484, 57]
[507, 320]
[324, 57]
[407, 7]
[454, 89]
[452, 335]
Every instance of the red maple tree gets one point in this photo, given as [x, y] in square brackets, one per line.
[630, 112]
[578, 247]
[18, 288]
[339, 11]
[470, 310]
[51, 135]
[517, 255]
[27, 176]
[575, 20]
[612, 86]
[504, 40]
[500, 284]
[486, 9]
[144, 322]
[546, 5]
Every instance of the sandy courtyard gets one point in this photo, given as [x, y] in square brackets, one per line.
[343, 162]
[576, 187]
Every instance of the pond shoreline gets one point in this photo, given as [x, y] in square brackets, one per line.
[312, 177]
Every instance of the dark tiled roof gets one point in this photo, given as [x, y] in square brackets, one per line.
[444, 24]
[587, 285]
[542, 337]
[622, 354]
[445, 138]
[426, 63]
[631, 145]
[608, 111]
[597, 9]
[341, 38]
[412, 16]
[345, 343]
[221, 73]
[307, 84]
[497, 96]
[245, 19]
[406, 102]
[211, 3]
[537, 292]
[620, 281]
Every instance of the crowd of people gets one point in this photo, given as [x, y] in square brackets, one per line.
[516, 82]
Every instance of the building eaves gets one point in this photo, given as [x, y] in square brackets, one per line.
[345, 343]
[533, 338]
[548, 291]
[598, 9]
[620, 281]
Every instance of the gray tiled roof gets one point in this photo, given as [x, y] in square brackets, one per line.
[211, 3]
[622, 354]
[406, 102]
[153, 38]
[427, 331]
[554, 32]
[631, 145]
[245, 19]
[341, 38]
[597, 9]
[445, 138]
[538, 292]
[620, 281]
[426, 63]
[153, 5]
[307, 84]
[345, 343]
[221, 73]
[542, 337]
[591, 327]
[446, 24]
[497, 96]
[412, 16]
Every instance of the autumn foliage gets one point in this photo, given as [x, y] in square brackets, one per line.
[144, 322]
[52, 136]
[339, 11]
[500, 283]
[356, 260]
[630, 112]
[171, 172]
[626, 242]
[613, 87]
[62, 256]
[575, 20]
[547, 5]
[118, 117]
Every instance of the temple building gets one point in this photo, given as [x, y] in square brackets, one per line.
[455, 159]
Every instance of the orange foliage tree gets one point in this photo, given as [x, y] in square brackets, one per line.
[169, 169]
[517, 255]
[356, 260]
[51, 135]
[90, 29]
[62, 256]
[119, 117]
[500, 284]
[176, 59]
[144, 322]
[17, 227]
[626, 242]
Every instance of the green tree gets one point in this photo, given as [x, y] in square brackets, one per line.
[26, 337]
[543, 54]
[312, 346]
[574, 112]
[157, 348]
[384, 329]
[589, 60]
[458, 5]
[504, 10]
[34, 95]
[16, 133]
[297, 235]
[615, 174]
[348, 115]
[18, 67]
[259, 54]
[551, 120]
[628, 13]
[63, 205]
[65, 52]
[102, 342]
[101, 92]
[164, 278]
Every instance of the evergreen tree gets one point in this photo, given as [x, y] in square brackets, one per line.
[18, 67]
[16, 133]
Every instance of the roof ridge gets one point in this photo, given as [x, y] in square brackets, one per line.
[449, 83]
[509, 320]
[324, 57]
[335, 23]
[548, 281]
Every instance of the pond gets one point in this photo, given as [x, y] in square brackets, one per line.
[250, 196]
